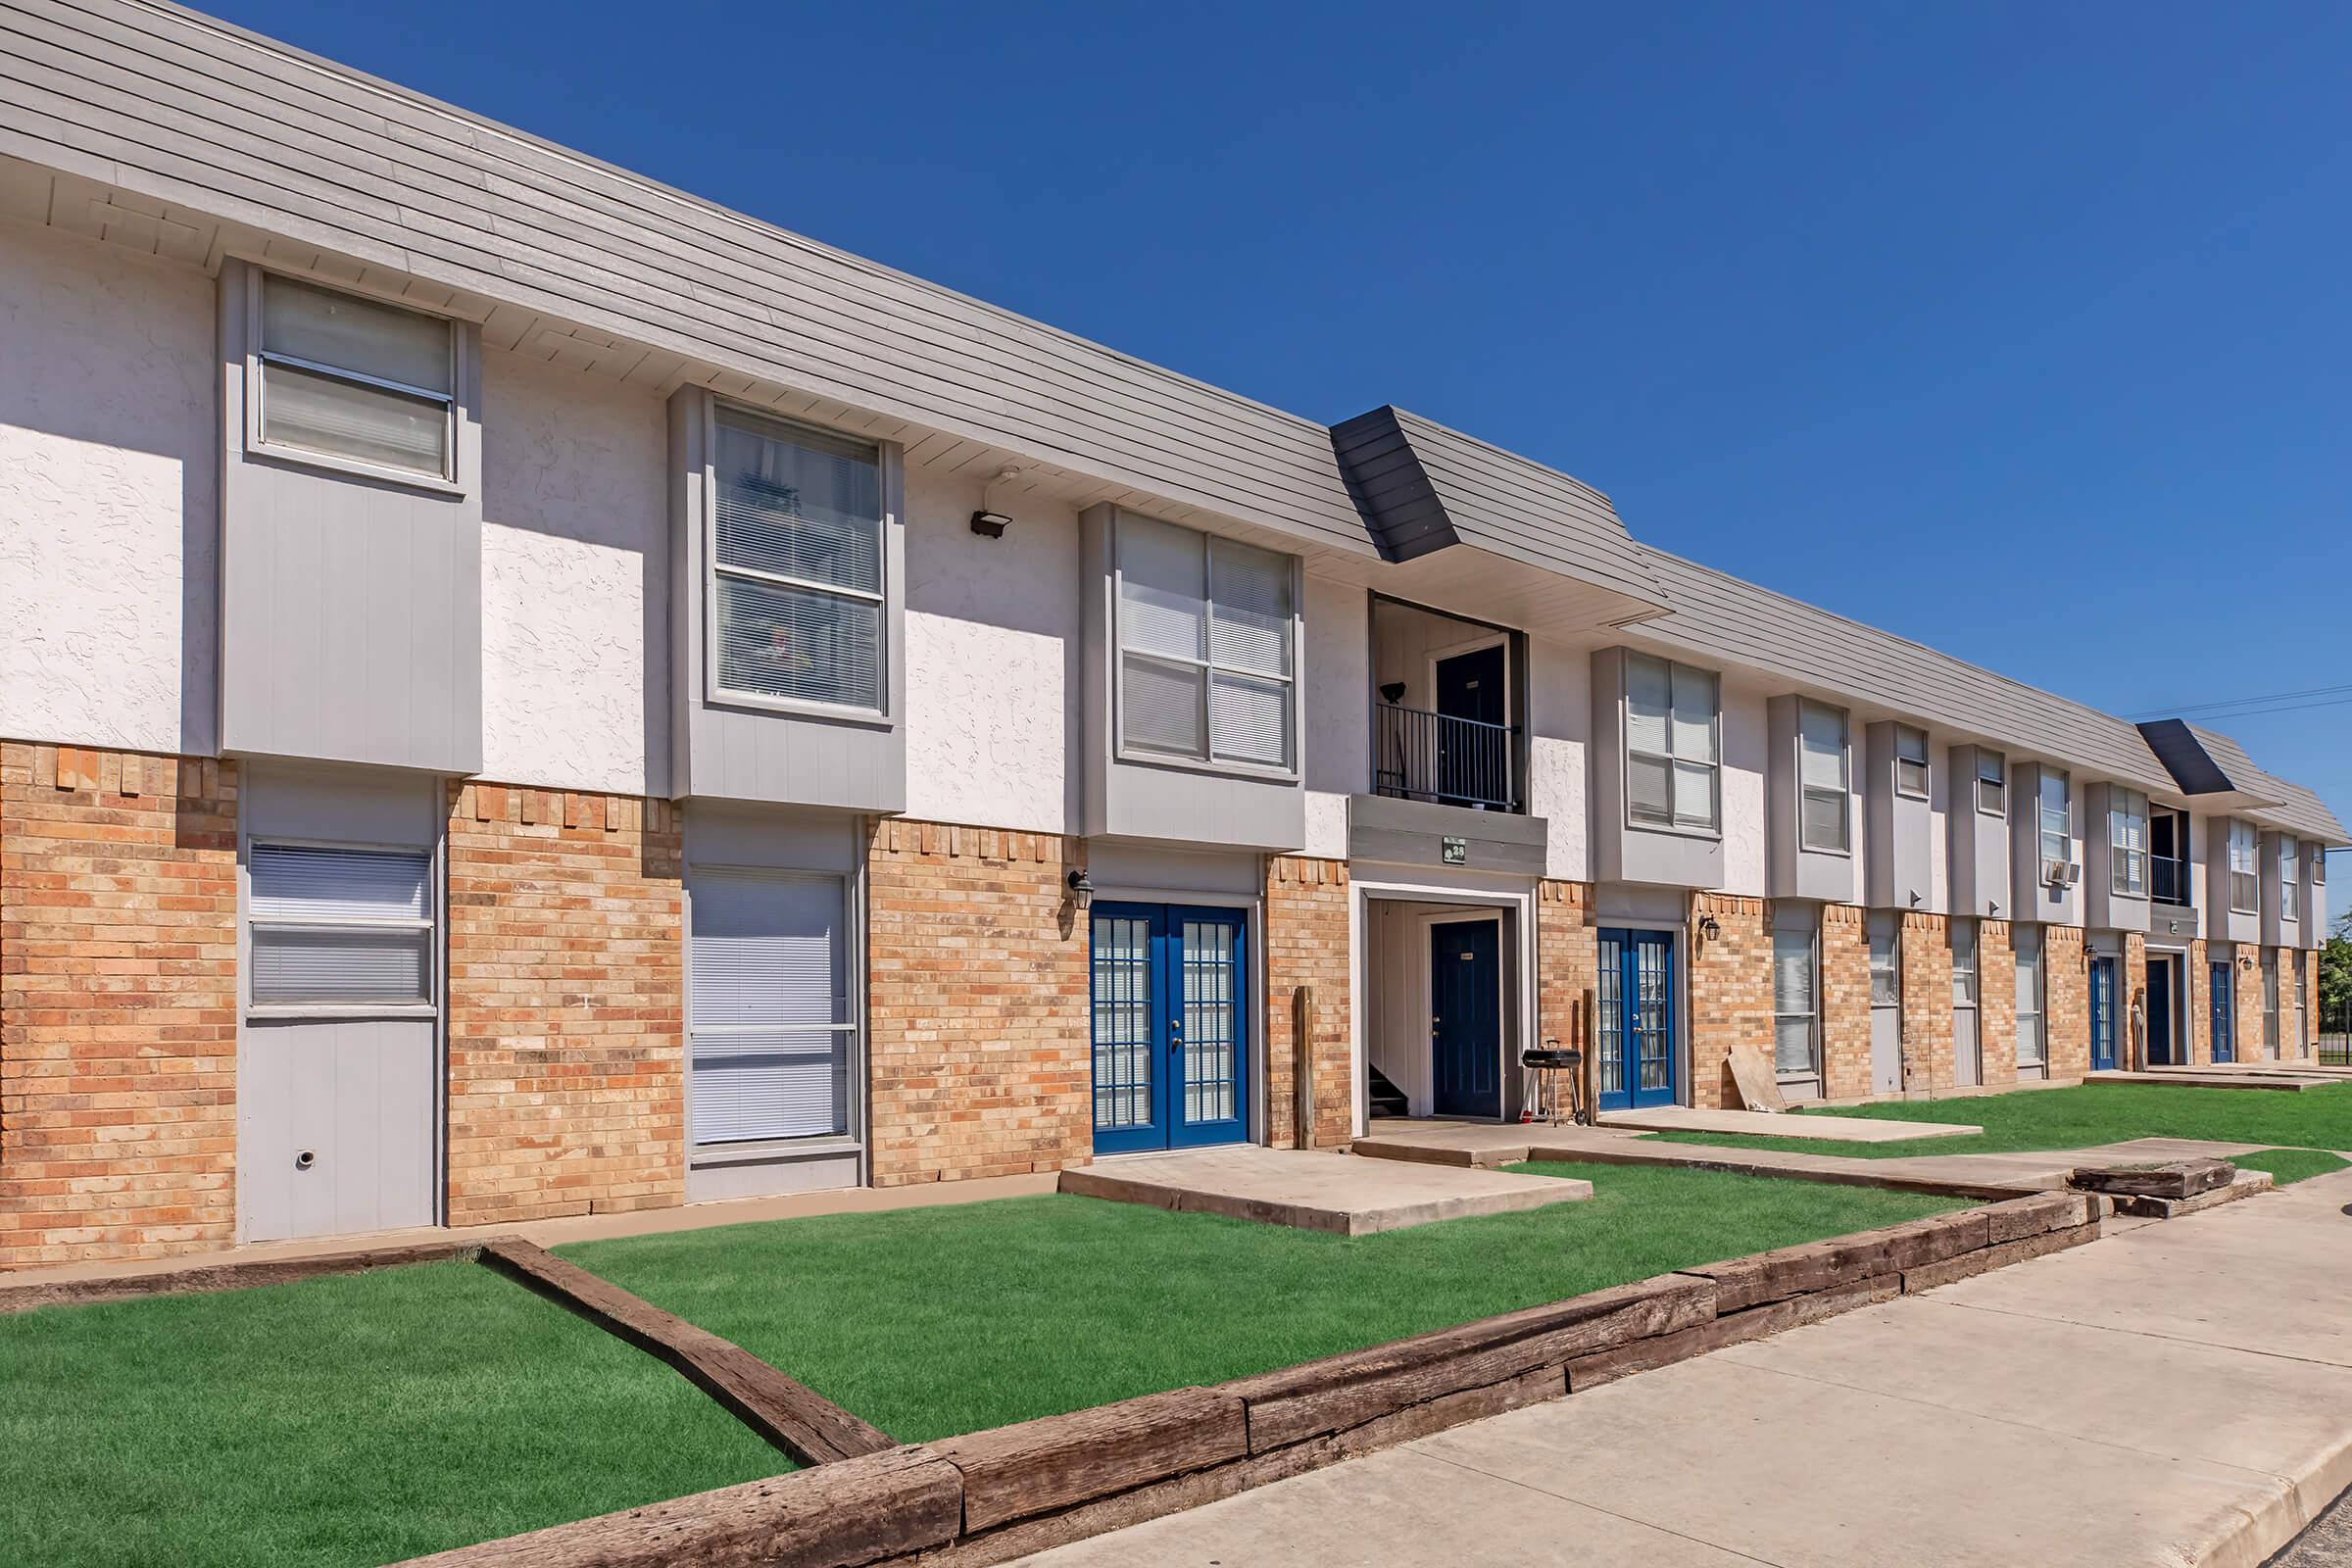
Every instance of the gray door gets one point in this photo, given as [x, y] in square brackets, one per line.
[338, 1083]
[1968, 1052]
[1886, 1008]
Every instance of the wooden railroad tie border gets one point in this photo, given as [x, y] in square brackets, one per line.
[230, 1274]
[788, 1414]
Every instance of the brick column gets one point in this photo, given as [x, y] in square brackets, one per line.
[2248, 998]
[2131, 977]
[1567, 965]
[1844, 1001]
[1306, 943]
[2200, 1011]
[117, 1004]
[1924, 951]
[978, 1029]
[1997, 1002]
[2290, 1044]
[2066, 1007]
[567, 1004]
[1731, 993]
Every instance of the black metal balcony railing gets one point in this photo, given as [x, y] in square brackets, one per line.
[2167, 880]
[1421, 755]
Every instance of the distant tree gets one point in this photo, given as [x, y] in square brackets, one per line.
[2335, 976]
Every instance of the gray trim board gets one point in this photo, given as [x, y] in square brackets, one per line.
[1399, 832]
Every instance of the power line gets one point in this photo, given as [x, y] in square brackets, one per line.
[2244, 702]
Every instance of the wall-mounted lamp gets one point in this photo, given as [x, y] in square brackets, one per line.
[1082, 888]
[988, 524]
[1709, 930]
[1392, 693]
[2245, 964]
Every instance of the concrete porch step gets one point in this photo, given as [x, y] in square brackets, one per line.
[1315, 1190]
[1780, 1124]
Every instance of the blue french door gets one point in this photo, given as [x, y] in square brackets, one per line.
[1465, 1023]
[2102, 1016]
[2221, 993]
[1171, 988]
[1632, 1023]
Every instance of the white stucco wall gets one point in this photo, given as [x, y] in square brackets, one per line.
[1337, 694]
[1746, 738]
[993, 635]
[575, 572]
[1939, 820]
[109, 496]
[1558, 752]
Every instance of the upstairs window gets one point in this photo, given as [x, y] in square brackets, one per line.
[356, 379]
[2289, 852]
[2245, 885]
[1825, 820]
[1207, 646]
[1911, 761]
[2057, 825]
[2128, 843]
[1993, 787]
[795, 565]
[1671, 729]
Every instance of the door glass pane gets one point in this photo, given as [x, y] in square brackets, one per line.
[1122, 1015]
[1209, 1009]
[1608, 1024]
[1652, 1038]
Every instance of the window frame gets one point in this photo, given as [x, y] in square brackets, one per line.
[248, 922]
[1845, 780]
[886, 456]
[2064, 829]
[1817, 1069]
[2290, 877]
[1998, 781]
[450, 481]
[2039, 1013]
[2242, 833]
[1208, 762]
[1713, 829]
[2120, 856]
[1924, 761]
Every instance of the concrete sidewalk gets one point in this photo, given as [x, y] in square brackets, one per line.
[2178, 1394]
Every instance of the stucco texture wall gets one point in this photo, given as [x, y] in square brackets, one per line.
[109, 496]
[1337, 694]
[1745, 740]
[575, 580]
[1558, 750]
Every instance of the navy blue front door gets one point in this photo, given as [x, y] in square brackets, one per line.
[2220, 990]
[1632, 1023]
[2160, 1013]
[1465, 1022]
[2102, 1016]
[1170, 991]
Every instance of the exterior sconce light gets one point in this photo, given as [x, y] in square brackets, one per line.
[1392, 693]
[1082, 888]
[2245, 964]
[990, 524]
[1708, 929]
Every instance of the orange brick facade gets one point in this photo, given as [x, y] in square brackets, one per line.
[1997, 1004]
[567, 1004]
[1306, 944]
[2065, 1001]
[1923, 950]
[1730, 991]
[117, 1004]
[1567, 964]
[1844, 1001]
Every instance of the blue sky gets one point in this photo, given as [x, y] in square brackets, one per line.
[2021, 330]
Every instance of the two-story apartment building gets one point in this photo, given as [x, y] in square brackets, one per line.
[523, 692]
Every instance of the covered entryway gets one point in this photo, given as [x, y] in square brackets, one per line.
[1170, 989]
[2167, 1034]
[1441, 996]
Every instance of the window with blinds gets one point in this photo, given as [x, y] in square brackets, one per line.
[2056, 823]
[1911, 761]
[771, 1027]
[1795, 1005]
[796, 563]
[2246, 883]
[356, 378]
[2128, 843]
[1992, 783]
[2290, 855]
[1671, 727]
[1207, 646]
[1826, 811]
[2030, 1042]
[332, 928]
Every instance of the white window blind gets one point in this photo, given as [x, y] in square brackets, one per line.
[797, 563]
[1208, 646]
[1964, 963]
[1670, 745]
[1885, 977]
[2245, 886]
[2056, 821]
[2030, 1039]
[1795, 1003]
[772, 1026]
[1822, 766]
[1992, 783]
[332, 927]
[356, 378]
[2289, 856]
[1911, 761]
[2128, 843]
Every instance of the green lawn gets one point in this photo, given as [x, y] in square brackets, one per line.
[2085, 1115]
[336, 1421]
[2288, 1166]
[934, 1321]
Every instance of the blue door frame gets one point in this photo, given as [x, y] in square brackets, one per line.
[1170, 1007]
[1465, 1022]
[2102, 1016]
[1633, 1024]
[2221, 991]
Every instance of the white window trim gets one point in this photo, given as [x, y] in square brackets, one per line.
[2000, 763]
[888, 458]
[2041, 1010]
[2251, 870]
[450, 483]
[1844, 847]
[1626, 753]
[2065, 830]
[249, 922]
[2120, 856]
[1925, 760]
[1222, 767]
[1818, 1070]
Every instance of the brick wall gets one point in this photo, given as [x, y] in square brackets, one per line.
[566, 1002]
[1731, 993]
[1306, 943]
[117, 1004]
[1997, 1002]
[2200, 1011]
[2290, 1035]
[2311, 979]
[1845, 1001]
[2066, 978]
[977, 1012]
[1924, 951]
[1567, 962]
[2131, 980]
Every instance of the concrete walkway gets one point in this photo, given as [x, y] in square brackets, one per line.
[1313, 1191]
[2180, 1392]
[1778, 1124]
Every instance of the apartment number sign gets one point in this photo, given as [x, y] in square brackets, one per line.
[1454, 852]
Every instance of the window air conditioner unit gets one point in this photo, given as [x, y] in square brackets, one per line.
[2060, 873]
